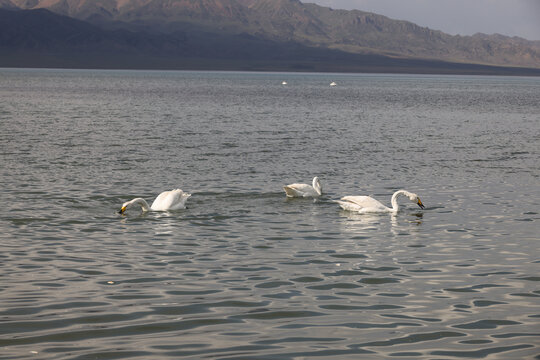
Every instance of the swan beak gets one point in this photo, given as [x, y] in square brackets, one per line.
[420, 204]
[122, 210]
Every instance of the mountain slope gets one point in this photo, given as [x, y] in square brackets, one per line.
[40, 38]
[293, 21]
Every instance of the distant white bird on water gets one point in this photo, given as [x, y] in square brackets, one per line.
[167, 200]
[333, 83]
[283, 83]
[304, 190]
[367, 204]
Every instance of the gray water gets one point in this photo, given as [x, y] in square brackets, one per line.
[244, 273]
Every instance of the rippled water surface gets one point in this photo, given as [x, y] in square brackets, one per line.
[244, 273]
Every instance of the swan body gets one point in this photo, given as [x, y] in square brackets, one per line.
[367, 204]
[167, 200]
[304, 190]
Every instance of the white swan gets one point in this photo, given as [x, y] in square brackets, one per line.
[167, 200]
[304, 190]
[333, 83]
[366, 204]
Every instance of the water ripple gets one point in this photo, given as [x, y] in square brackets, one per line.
[243, 272]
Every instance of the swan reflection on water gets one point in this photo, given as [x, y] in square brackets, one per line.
[166, 225]
[369, 223]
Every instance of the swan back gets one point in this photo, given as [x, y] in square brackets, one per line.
[170, 200]
[362, 204]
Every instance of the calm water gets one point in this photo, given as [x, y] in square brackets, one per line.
[244, 273]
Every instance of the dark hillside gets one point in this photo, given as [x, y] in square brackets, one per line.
[40, 38]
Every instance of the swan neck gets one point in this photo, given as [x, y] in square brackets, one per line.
[395, 205]
[142, 203]
[317, 185]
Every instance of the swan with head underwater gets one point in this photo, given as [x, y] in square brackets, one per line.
[166, 201]
[367, 204]
[304, 190]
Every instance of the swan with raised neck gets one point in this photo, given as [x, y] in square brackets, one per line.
[304, 190]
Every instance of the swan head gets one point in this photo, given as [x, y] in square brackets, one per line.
[416, 199]
[317, 185]
[125, 206]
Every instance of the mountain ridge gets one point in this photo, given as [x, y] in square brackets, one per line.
[313, 28]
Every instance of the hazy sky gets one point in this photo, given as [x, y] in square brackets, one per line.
[464, 17]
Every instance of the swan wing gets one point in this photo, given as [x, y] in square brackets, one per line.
[348, 206]
[300, 190]
[170, 200]
[362, 204]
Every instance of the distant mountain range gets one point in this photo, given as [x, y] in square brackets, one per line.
[242, 35]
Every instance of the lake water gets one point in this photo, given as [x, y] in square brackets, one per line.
[244, 273]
